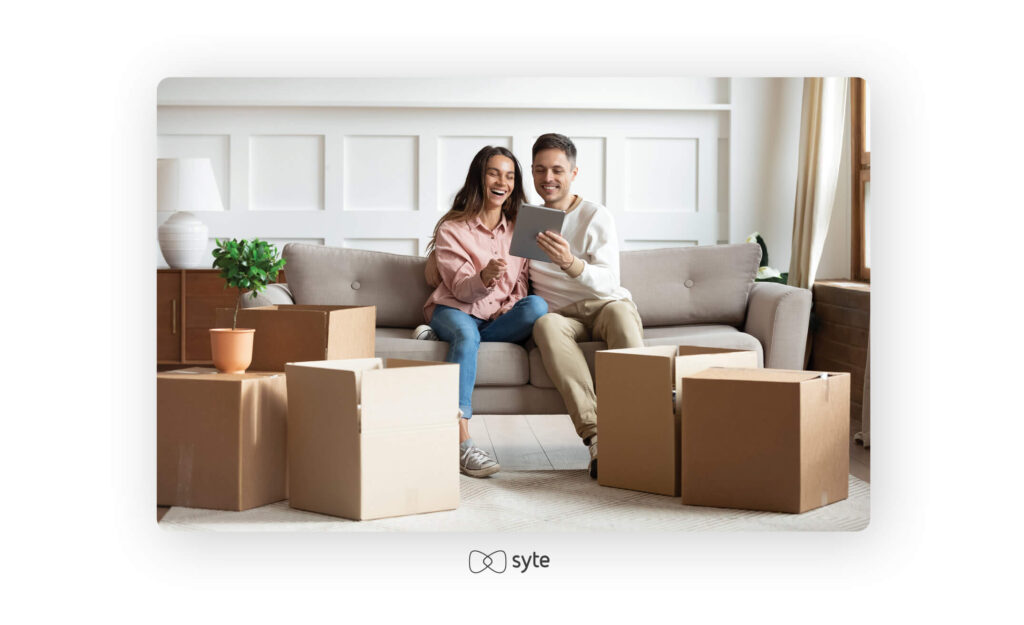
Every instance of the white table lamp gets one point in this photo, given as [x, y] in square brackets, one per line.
[185, 185]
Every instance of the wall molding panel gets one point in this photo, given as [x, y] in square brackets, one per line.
[379, 177]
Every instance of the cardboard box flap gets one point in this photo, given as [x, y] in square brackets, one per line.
[658, 370]
[303, 307]
[207, 373]
[694, 350]
[353, 364]
[697, 361]
[659, 351]
[396, 363]
[655, 360]
[192, 370]
[757, 375]
[350, 332]
[354, 367]
[412, 396]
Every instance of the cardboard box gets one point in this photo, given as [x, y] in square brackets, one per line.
[366, 442]
[221, 439]
[638, 422]
[305, 333]
[765, 439]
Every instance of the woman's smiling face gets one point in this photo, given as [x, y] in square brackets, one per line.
[499, 180]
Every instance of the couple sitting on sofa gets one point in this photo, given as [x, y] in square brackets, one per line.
[481, 290]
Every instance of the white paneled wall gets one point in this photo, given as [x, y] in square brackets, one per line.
[344, 173]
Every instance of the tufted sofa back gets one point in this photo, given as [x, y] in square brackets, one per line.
[671, 286]
[687, 285]
[339, 276]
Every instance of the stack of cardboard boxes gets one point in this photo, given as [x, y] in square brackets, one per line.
[708, 426]
[318, 421]
[321, 422]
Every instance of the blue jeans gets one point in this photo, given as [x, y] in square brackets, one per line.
[464, 333]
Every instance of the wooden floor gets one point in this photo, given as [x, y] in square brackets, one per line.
[545, 442]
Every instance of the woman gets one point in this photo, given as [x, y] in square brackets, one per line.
[482, 295]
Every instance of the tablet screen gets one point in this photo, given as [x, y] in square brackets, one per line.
[531, 221]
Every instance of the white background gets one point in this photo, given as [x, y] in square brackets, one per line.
[79, 135]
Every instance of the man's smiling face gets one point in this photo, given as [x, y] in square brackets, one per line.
[553, 175]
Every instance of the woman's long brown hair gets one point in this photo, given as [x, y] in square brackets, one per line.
[469, 201]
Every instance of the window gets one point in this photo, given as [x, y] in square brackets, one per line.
[860, 144]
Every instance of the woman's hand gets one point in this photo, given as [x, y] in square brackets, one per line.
[556, 248]
[493, 271]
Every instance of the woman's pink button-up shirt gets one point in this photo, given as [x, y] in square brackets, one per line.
[463, 249]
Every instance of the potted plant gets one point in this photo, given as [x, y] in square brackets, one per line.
[764, 272]
[246, 266]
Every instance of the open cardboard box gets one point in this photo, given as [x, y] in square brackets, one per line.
[367, 441]
[638, 422]
[765, 439]
[221, 439]
[297, 333]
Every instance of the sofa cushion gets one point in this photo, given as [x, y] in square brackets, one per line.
[276, 294]
[722, 336]
[688, 285]
[338, 276]
[498, 364]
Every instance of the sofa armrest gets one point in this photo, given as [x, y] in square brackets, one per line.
[275, 294]
[779, 317]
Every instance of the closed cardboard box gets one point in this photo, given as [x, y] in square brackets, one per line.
[366, 442]
[303, 333]
[638, 421]
[765, 439]
[221, 439]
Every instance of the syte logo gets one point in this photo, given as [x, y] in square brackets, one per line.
[497, 561]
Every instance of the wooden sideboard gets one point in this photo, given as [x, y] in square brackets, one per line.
[186, 304]
[842, 310]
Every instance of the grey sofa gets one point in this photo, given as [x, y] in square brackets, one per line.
[702, 296]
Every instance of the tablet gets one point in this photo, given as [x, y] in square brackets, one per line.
[531, 221]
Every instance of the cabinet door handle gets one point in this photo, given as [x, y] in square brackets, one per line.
[174, 316]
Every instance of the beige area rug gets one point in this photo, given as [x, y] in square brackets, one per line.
[540, 501]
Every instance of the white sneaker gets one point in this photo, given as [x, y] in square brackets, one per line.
[591, 444]
[424, 333]
[475, 462]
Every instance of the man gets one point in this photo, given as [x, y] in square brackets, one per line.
[580, 284]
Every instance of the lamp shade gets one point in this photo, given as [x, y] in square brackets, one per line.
[184, 185]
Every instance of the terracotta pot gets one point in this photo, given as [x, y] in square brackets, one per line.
[232, 349]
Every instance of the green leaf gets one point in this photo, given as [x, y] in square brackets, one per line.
[764, 251]
[247, 264]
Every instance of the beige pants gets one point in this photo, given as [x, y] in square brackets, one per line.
[616, 322]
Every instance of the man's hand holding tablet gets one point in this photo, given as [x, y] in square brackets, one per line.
[531, 223]
[556, 248]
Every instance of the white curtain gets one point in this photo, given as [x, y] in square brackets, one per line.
[821, 148]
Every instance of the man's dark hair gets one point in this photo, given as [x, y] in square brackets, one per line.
[553, 140]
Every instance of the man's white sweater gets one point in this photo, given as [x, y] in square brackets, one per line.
[590, 231]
